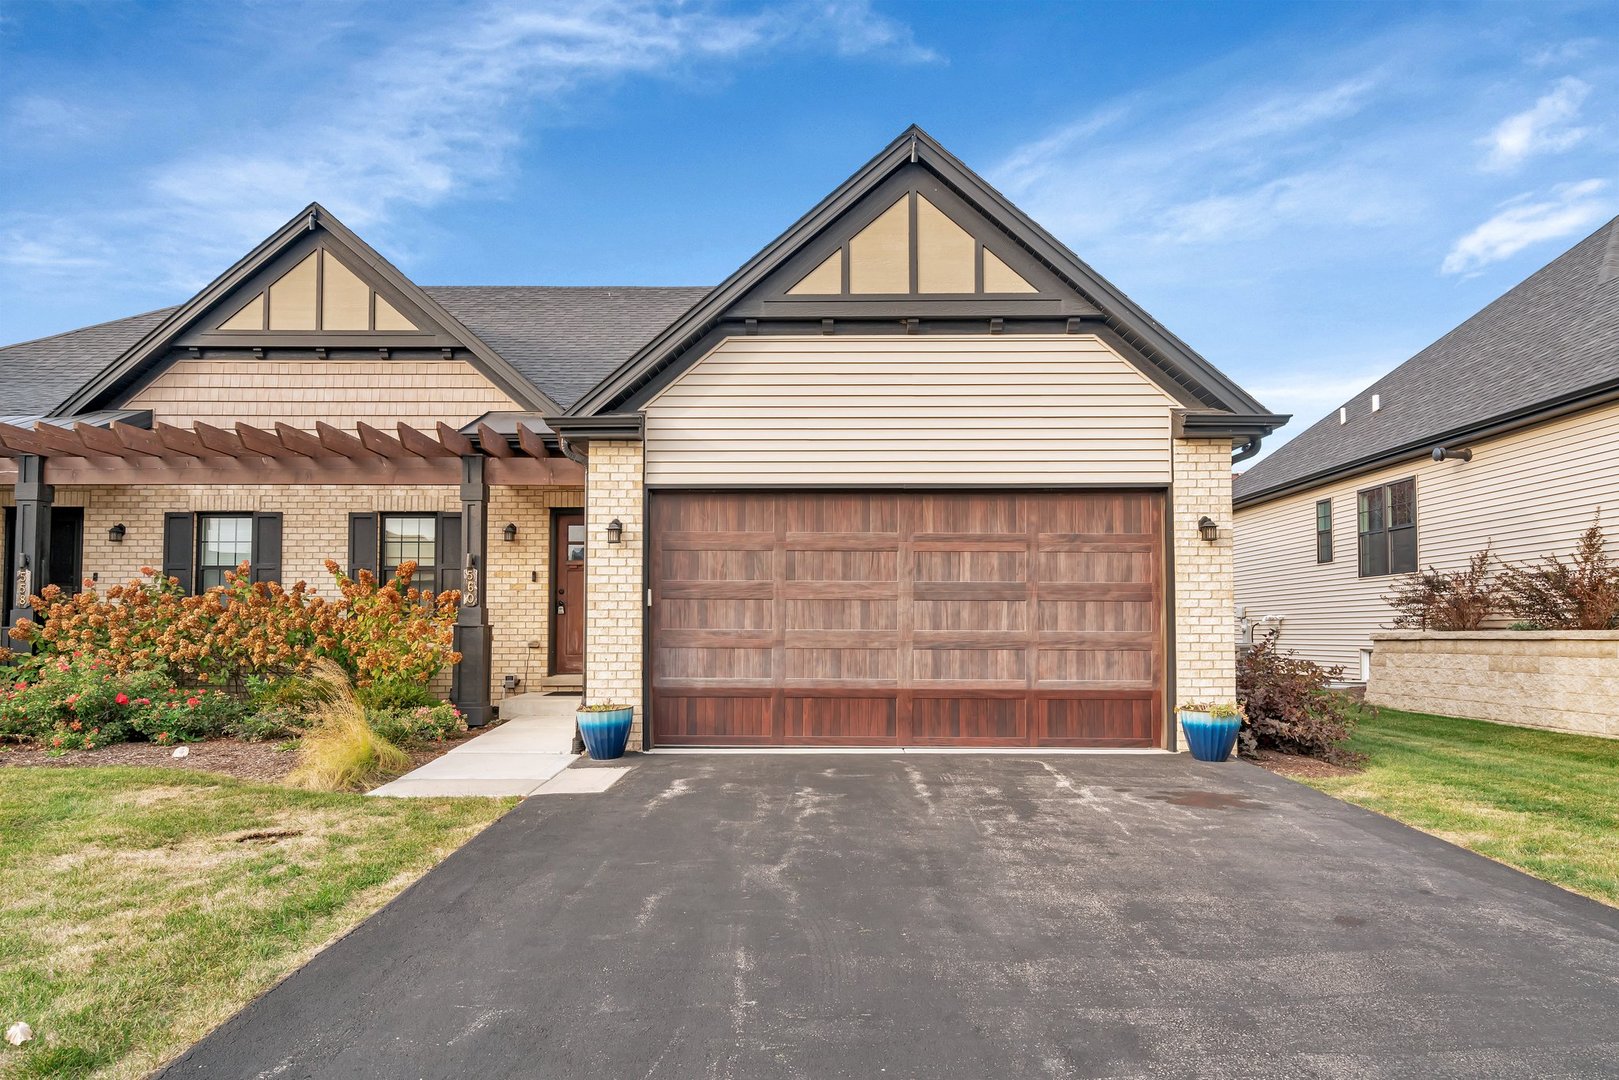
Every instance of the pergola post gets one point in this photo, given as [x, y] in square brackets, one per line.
[469, 688]
[31, 541]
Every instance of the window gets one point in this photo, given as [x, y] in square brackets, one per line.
[224, 542]
[407, 537]
[1323, 531]
[1388, 529]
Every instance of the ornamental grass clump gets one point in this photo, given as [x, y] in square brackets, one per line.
[341, 751]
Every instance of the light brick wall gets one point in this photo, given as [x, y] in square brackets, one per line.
[614, 582]
[314, 528]
[1205, 621]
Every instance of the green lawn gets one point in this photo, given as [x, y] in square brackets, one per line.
[1543, 802]
[139, 908]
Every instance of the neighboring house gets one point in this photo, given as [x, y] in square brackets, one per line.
[913, 475]
[1524, 400]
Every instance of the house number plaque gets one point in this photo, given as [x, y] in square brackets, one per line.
[469, 594]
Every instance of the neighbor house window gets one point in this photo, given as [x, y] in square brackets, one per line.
[224, 542]
[411, 537]
[1323, 531]
[1388, 529]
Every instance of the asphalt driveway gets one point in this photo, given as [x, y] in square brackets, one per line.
[949, 916]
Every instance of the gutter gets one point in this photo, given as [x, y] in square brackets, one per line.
[1567, 405]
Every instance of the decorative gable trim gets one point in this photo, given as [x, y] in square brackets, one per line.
[399, 315]
[1066, 288]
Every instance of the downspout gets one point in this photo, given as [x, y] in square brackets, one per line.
[1250, 447]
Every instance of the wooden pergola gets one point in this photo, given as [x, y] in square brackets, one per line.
[122, 453]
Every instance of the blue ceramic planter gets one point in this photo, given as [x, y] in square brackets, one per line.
[605, 733]
[1208, 738]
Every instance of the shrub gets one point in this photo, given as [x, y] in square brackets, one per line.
[416, 727]
[395, 694]
[1290, 707]
[187, 716]
[1582, 594]
[80, 703]
[341, 752]
[244, 629]
[1440, 600]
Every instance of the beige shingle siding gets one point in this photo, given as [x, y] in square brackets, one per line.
[1205, 628]
[299, 392]
[614, 581]
[1526, 494]
[910, 410]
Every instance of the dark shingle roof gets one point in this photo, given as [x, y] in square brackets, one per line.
[1552, 337]
[564, 339]
[36, 376]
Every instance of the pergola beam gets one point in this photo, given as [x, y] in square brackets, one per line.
[225, 442]
[422, 444]
[300, 442]
[379, 442]
[60, 440]
[139, 440]
[493, 444]
[454, 441]
[342, 443]
[22, 441]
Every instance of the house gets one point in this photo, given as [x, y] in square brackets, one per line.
[914, 474]
[1504, 432]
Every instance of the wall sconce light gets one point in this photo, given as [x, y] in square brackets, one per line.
[615, 531]
[509, 532]
[1207, 529]
[115, 535]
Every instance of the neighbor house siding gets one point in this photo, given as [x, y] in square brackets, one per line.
[1525, 495]
[893, 411]
[381, 393]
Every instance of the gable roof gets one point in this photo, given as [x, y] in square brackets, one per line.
[155, 344]
[1177, 361]
[37, 376]
[563, 339]
[1551, 342]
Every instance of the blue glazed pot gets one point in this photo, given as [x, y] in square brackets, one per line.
[605, 733]
[1208, 738]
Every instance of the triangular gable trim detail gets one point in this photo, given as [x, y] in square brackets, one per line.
[408, 314]
[1171, 359]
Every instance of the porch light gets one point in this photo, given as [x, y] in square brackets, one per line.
[509, 532]
[115, 535]
[1207, 529]
[615, 531]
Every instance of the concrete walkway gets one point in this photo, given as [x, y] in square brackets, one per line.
[531, 746]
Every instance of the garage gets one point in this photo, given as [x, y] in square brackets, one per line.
[987, 618]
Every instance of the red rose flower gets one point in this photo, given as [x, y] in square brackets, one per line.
[193, 702]
[122, 698]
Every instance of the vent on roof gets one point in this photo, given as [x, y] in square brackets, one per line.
[1610, 258]
[1377, 403]
[1343, 414]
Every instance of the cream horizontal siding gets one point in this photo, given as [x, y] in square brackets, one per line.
[299, 392]
[916, 410]
[1526, 494]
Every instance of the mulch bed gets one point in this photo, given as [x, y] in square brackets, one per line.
[260, 762]
[1297, 765]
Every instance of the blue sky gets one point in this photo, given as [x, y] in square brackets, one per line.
[1307, 193]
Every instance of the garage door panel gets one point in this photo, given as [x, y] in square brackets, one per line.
[855, 721]
[981, 720]
[1117, 720]
[714, 718]
[894, 617]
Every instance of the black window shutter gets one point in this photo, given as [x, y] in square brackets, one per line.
[362, 544]
[179, 548]
[266, 547]
[449, 552]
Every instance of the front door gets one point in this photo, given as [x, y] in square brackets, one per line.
[568, 606]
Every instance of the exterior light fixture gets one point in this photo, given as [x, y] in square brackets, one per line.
[1207, 529]
[115, 535]
[1445, 453]
[509, 532]
[615, 531]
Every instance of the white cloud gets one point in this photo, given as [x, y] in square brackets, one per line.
[1546, 127]
[1568, 209]
[441, 110]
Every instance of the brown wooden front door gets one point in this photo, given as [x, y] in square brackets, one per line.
[907, 618]
[568, 605]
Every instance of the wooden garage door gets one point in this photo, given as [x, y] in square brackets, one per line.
[889, 618]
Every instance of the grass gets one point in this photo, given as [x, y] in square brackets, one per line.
[1541, 801]
[139, 908]
[340, 751]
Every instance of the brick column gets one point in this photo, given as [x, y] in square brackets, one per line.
[615, 585]
[1205, 586]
